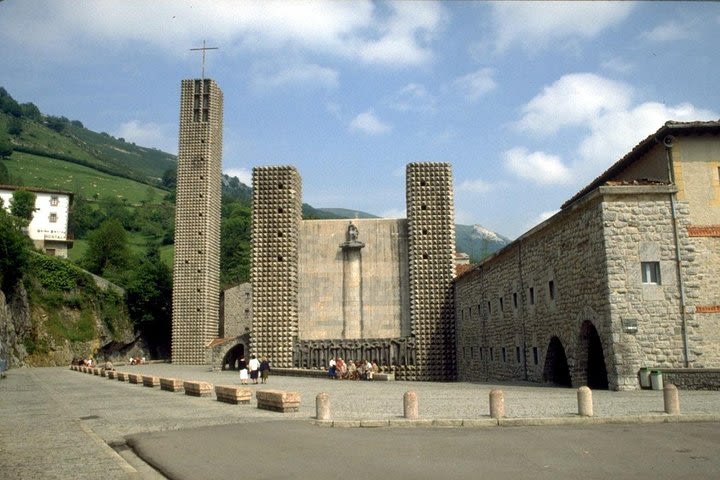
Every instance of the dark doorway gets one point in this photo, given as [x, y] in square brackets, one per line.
[556, 367]
[233, 356]
[594, 361]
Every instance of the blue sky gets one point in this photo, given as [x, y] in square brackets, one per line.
[528, 101]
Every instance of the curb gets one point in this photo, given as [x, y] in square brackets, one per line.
[520, 422]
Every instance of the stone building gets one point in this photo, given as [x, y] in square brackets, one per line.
[623, 277]
[379, 289]
[48, 228]
[196, 270]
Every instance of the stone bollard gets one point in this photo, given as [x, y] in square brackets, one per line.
[497, 404]
[410, 405]
[671, 399]
[585, 405]
[322, 406]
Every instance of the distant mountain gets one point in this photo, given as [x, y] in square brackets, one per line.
[477, 241]
[347, 213]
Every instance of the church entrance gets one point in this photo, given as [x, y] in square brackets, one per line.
[232, 358]
[591, 359]
[556, 366]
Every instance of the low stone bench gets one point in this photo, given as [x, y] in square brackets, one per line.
[135, 378]
[383, 377]
[171, 384]
[122, 376]
[97, 371]
[232, 394]
[198, 389]
[278, 400]
[150, 381]
[111, 374]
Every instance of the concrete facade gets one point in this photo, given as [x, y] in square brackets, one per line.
[375, 289]
[48, 228]
[236, 311]
[196, 269]
[621, 278]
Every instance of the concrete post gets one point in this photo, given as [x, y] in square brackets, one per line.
[322, 406]
[585, 404]
[410, 405]
[497, 404]
[671, 399]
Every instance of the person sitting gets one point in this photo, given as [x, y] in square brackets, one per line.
[340, 369]
[108, 365]
[352, 373]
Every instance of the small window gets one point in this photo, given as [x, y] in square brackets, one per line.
[489, 305]
[536, 356]
[532, 296]
[515, 300]
[502, 307]
[551, 290]
[650, 272]
[280, 210]
[504, 355]
[54, 201]
[423, 207]
[492, 357]
[481, 353]
[53, 218]
[517, 354]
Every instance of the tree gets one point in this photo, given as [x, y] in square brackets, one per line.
[4, 175]
[235, 244]
[14, 251]
[149, 300]
[30, 111]
[169, 178]
[6, 148]
[83, 217]
[22, 204]
[108, 250]
[15, 126]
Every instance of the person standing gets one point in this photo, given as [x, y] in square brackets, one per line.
[264, 370]
[254, 365]
[243, 371]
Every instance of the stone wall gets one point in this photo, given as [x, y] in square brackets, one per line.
[382, 282]
[545, 285]
[692, 378]
[237, 311]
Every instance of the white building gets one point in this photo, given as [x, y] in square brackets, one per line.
[49, 226]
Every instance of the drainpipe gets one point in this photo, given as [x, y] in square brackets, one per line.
[668, 143]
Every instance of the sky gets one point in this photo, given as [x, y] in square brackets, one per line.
[529, 102]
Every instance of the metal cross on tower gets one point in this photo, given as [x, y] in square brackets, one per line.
[204, 49]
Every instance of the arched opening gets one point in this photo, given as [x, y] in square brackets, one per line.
[232, 358]
[556, 368]
[591, 358]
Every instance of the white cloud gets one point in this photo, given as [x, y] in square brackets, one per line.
[538, 167]
[412, 97]
[475, 85]
[399, 35]
[150, 134]
[368, 123]
[573, 100]
[474, 186]
[618, 65]
[536, 25]
[243, 174]
[305, 74]
[668, 32]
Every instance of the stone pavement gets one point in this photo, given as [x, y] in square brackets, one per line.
[58, 423]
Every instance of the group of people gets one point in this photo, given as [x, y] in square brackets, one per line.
[136, 360]
[84, 362]
[362, 370]
[253, 369]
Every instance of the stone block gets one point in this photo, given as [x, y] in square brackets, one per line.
[135, 378]
[198, 389]
[171, 384]
[111, 374]
[278, 400]
[150, 381]
[232, 394]
[122, 376]
[383, 377]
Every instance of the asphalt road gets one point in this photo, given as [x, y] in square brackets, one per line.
[299, 450]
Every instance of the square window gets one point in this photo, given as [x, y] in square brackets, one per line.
[53, 217]
[650, 272]
[54, 201]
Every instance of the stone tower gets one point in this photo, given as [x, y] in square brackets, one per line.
[431, 244]
[196, 270]
[276, 216]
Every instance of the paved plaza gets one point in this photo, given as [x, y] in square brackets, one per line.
[58, 423]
